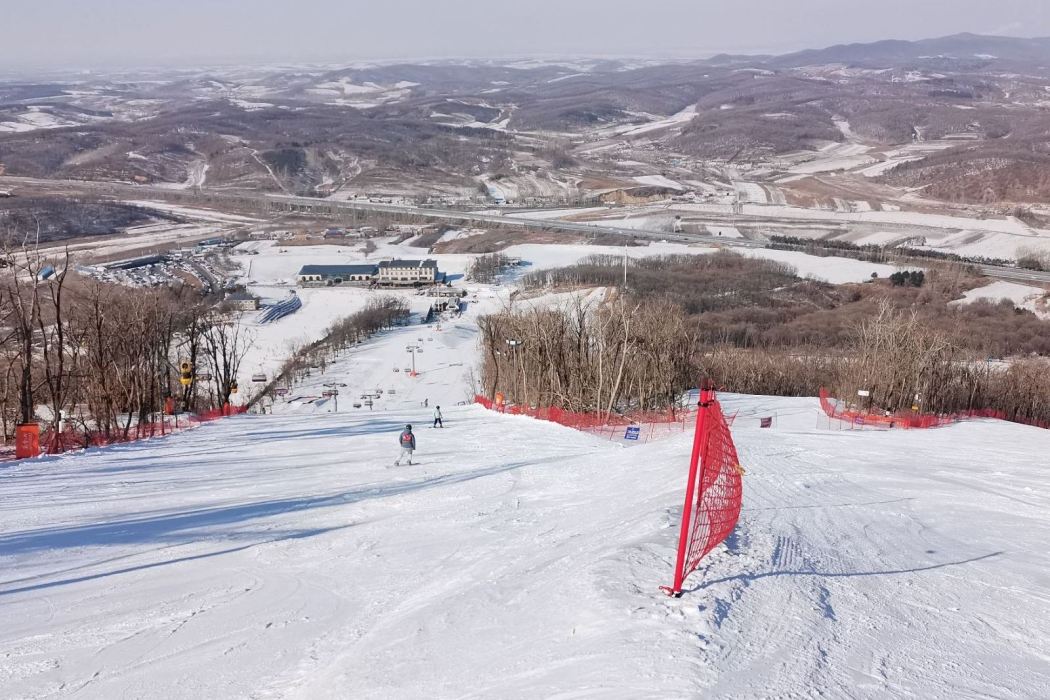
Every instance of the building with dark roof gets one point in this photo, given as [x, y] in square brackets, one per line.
[331, 275]
[389, 273]
[409, 273]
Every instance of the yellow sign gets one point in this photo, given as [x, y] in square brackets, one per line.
[185, 374]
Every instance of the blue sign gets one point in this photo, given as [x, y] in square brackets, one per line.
[632, 433]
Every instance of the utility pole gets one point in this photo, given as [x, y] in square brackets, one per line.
[515, 345]
[333, 390]
[411, 349]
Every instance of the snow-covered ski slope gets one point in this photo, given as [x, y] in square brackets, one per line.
[283, 556]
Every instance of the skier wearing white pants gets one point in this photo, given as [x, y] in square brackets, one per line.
[407, 440]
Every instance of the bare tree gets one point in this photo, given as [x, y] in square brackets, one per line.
[225, 343]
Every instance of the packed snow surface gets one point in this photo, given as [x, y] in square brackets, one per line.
[1023, 296]
[830, 269]
[284, 556]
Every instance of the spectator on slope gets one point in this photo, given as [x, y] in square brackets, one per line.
[407, 440]
[437, 417]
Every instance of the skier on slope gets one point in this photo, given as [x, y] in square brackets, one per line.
[407, 440]
[437, 417]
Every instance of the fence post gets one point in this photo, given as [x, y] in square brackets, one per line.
[699, 445]
[27, 440]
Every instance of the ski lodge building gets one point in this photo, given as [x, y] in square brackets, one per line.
[389, 273]
[415, 273]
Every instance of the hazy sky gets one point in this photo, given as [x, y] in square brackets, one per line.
[88, 33]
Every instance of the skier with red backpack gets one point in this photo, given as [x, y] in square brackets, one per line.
[407, 440]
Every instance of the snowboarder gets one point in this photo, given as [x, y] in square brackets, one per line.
[407, 440]
[437, 417]
[426, 402]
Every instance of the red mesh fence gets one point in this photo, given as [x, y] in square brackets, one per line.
[78, 437]
[721, 487]
[839, 411]
[714, 492]
[905, 419]
[613, 425]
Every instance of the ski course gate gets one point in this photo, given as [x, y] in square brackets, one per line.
[714, 490]
[713, 494]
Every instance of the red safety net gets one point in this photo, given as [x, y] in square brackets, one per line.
[73, 437]
[913, 419]
[839, 411]
[602, 423]
[714, 491]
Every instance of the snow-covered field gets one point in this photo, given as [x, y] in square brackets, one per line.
[196, 213]
[679, 118]
[556, 213]
[283, 556]
[34, 118]
[141, 237]
[989, 237]
[659, 181]
[751, 192]
[1023, 296]
[831, 269]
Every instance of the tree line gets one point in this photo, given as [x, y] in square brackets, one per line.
[609, 357]
[752, 326]
[104, 357]
[487, 268]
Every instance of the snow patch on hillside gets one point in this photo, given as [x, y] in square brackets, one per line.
[1023, 296]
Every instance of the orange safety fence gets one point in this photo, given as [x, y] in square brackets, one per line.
[903, 419]
[70, 438]
[602, 423]
[837, 410]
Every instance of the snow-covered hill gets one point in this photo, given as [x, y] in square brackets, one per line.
[283, 556]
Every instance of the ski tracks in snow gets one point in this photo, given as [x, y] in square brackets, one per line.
[831, 584]
[278, 557]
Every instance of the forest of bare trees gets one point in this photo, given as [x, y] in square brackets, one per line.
[608, 357]
[752, 326]
[487, 268]
[102, 358]
[904, 363]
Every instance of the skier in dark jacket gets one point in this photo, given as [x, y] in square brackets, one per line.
[407, 440]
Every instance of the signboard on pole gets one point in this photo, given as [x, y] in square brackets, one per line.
[766, 422]
[632, 433]
[863, 392]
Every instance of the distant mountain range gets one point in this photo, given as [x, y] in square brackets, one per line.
[882, 54]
